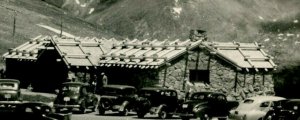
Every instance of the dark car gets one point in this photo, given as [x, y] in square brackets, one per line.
[161, 101]
[284, 110]
[119, 98]
[9, 92]
[32, 111]
[75, 95]
[205, 105]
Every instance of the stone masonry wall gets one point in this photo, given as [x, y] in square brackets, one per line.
[222, 77]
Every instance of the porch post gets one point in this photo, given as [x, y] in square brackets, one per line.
[254, 78]
[263, 78]
[165, 73]
[236, 80]
[245, 79]
[185, 68]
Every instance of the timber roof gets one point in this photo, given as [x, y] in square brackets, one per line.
[29, 50]
[79, 51]
[242, 55]
[146, 53]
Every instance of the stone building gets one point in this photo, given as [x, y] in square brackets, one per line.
[238, 69]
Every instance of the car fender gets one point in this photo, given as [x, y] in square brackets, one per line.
[199, 109]
[255, 115]
[160, 108]
[124, 104]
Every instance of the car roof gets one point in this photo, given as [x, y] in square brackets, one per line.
[157, 89]
[75, 83]
[265, 98]
[9, 80]
[119, 86]
[209, 92]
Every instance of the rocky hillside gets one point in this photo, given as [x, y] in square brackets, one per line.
[274, 23]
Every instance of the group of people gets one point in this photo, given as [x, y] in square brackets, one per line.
[95, 81]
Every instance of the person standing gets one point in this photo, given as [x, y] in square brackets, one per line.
[104, 79]
[71, 76]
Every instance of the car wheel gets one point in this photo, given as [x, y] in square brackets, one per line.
[70, 109]
[94, 105]
[57, 110]
[124, 112]
[163, 114]
[204, 117]
[141, 114]
[82, 108]
[101, 111]
[185, 118]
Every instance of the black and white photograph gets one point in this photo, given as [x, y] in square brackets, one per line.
[149, 59]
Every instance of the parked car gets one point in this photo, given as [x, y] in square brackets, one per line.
[75, 95]
[254, 108]
[10, 93]
[32, 111]
[206, 105]
[285, 110]
[161, 101]
[119, 98]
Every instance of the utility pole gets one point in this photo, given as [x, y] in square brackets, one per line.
[14, 26]
[61, 25]
[14, 19]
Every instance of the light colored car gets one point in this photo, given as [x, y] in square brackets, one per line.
[253, 108]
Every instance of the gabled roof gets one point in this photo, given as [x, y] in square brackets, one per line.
[28, 50]
[79, 51]
[242, 55]
[146, 53]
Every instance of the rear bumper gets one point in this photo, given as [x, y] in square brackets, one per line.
[186, 115]
[65, 106]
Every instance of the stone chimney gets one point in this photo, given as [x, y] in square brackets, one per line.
[196, 35]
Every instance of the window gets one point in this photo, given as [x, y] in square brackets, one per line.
[199, 76]
[264, 104]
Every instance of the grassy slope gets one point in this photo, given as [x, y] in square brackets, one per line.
[32, 12]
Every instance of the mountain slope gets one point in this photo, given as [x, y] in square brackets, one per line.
[268, 22]
[32, 12]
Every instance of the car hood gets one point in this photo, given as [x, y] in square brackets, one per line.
[72, 95]
[194, 102]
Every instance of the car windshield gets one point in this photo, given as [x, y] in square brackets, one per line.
[198, 96]
[147, 93]
[8, 85]
[111, 91]
[74, 89]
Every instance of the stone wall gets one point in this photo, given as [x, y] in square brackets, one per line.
[221, 77]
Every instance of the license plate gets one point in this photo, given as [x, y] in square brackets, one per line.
[184, 106]
[7, 96]
[66, 98]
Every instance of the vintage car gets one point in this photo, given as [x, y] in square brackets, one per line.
[285, 110]
[119, 98]
[254, 108]
[32, 111]
[206, 105]
[161, 101]
[9, 92]
[75, 95]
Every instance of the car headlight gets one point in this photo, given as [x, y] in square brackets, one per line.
[184, 105]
